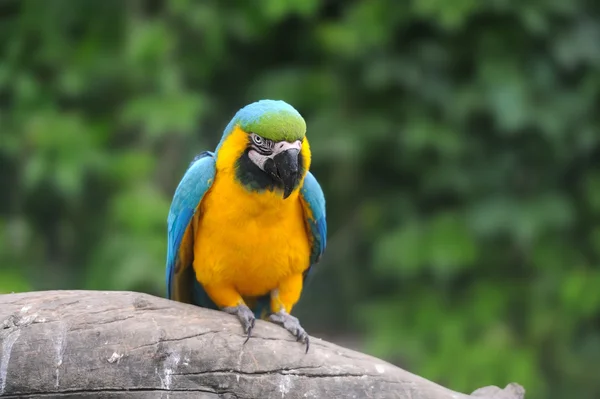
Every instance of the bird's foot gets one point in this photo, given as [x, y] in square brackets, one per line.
[291, 324]
[246, 317]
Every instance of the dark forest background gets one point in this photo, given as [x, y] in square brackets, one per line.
[454, 141]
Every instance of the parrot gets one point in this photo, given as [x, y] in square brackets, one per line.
[247, 221]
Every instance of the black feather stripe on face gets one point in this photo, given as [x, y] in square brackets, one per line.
[259, 144]
[261, 150]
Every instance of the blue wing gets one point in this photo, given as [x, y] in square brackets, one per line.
[313, 202]
[180, 248]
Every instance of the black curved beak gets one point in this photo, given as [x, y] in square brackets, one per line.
[284, 168]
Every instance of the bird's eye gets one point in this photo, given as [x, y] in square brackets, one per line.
[257, 139]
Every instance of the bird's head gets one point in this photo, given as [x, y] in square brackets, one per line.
[272, 150]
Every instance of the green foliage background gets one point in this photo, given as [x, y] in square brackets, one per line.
[454, 141]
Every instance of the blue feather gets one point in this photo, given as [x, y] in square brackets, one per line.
[314, 200]
[195, 183]
[255, 111]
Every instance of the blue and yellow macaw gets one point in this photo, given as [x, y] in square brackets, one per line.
[247, 221]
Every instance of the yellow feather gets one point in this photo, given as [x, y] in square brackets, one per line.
[247, 240]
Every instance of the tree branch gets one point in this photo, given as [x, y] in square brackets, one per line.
[125, 344]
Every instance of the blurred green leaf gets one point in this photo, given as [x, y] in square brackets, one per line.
[13, 282]
[161, 115]
[450, 244]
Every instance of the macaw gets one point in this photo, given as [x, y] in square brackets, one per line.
[247, 221]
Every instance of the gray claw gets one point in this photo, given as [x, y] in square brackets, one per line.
[291, 324]
[246, 317]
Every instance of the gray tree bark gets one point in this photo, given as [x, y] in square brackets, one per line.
[73, 344]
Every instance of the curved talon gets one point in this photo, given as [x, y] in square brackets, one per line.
[291, 324]
[245, 316]
[250, 328]
[304, 339]
[307, 344]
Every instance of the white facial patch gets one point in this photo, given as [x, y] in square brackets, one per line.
[279, 147]
[257, 158]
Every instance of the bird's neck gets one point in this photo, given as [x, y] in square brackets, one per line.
[237, 201]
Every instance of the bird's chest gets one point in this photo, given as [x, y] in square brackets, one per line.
[249, 240]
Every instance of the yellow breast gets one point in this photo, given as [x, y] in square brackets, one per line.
[247, 239]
